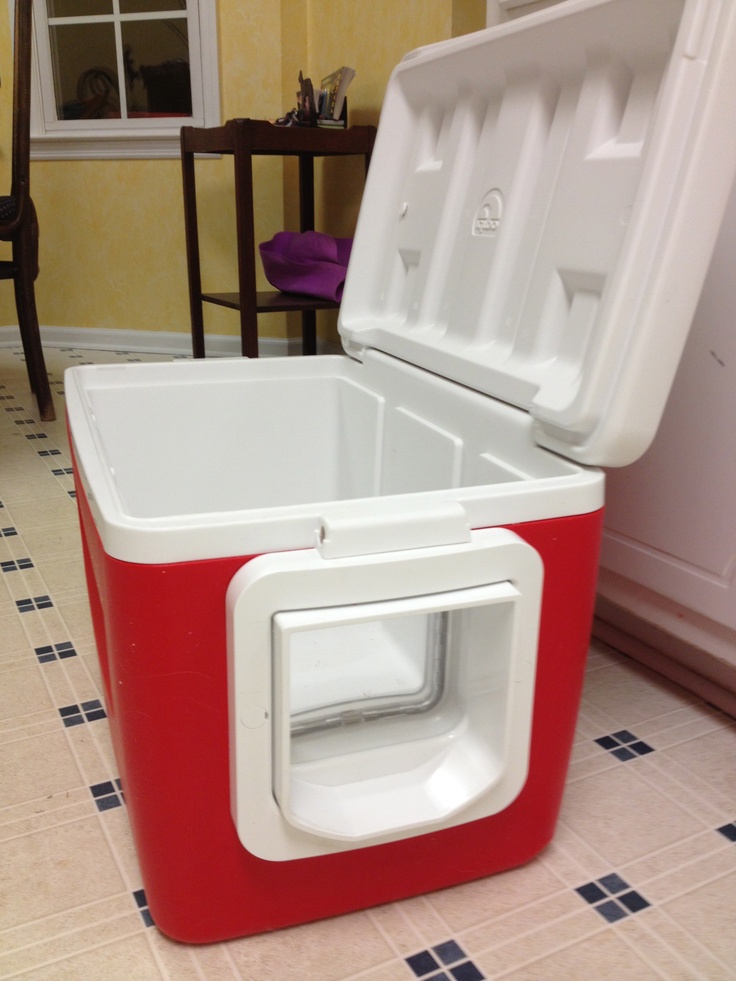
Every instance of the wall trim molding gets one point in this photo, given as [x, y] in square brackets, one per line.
[154, 342]
[698, 671]
[686, 646]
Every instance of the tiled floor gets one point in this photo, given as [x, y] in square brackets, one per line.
[640, 881]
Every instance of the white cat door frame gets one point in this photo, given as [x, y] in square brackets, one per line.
[424, 721]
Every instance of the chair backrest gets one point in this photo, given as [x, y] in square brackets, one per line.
[22, 106]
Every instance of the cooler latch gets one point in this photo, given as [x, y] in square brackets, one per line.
[390, 526]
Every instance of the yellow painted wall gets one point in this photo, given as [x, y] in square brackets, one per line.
[112, 235]
[372, 38]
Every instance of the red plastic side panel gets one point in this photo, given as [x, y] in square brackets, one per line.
[161, 638]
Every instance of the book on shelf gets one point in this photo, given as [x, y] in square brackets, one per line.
[325, 106]
[334, 87]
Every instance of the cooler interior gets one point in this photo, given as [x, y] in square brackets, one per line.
[202, 438]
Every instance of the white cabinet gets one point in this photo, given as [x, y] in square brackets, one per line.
[667, 591]
[667, 587]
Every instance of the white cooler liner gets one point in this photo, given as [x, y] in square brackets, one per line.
[192, 460]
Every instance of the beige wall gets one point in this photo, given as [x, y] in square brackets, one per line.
[112, 237]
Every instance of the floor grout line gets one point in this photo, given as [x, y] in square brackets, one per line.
[552, 950]
[645, 955]
[678, 926]
[65, 933]
[63, 957]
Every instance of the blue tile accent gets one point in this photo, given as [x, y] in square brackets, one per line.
[76, 715]
[425, 964]
[15, 565]
[599, 895]
[108, 803]
[607, 742]
[641, 749]
[53, 652]
[93, 710]
[633, 901]
[8, 532]
[591, 893]
[71, 716]
[31, 603]
[728, 831]
[611, 911]
[422, 963]
[624, 745]
[613, 883]
[449, 952]
[49, 452]
[107, 795]
[624, 736]
[466, 972]
[142, 903]
[623, 754]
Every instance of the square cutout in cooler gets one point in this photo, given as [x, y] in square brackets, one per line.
[345, 673]
[360, 714]
[396, 714]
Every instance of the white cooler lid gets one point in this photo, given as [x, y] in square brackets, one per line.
[541, 207]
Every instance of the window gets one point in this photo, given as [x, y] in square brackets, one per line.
[119, 78]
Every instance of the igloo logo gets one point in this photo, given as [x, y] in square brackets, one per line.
[488, 216]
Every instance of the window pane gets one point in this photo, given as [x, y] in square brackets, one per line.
[144, 84]
[157, 52]
[85, 71]
[150, 6]
[78, 8]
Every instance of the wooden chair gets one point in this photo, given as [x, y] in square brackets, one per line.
[18, 221]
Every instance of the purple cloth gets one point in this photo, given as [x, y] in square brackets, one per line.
[307, 262]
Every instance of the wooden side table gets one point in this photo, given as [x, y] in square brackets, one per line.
[243, 139]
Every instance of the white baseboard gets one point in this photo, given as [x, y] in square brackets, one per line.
[153, 342]
[696, 670]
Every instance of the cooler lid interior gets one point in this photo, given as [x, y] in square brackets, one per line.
[541, 207]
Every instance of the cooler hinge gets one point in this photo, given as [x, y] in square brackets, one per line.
[391, 526]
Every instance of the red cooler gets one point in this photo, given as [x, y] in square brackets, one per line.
[342, 603]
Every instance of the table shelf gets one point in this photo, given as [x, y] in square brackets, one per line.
[244, 139]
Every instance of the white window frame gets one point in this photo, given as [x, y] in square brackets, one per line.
[86, 139]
